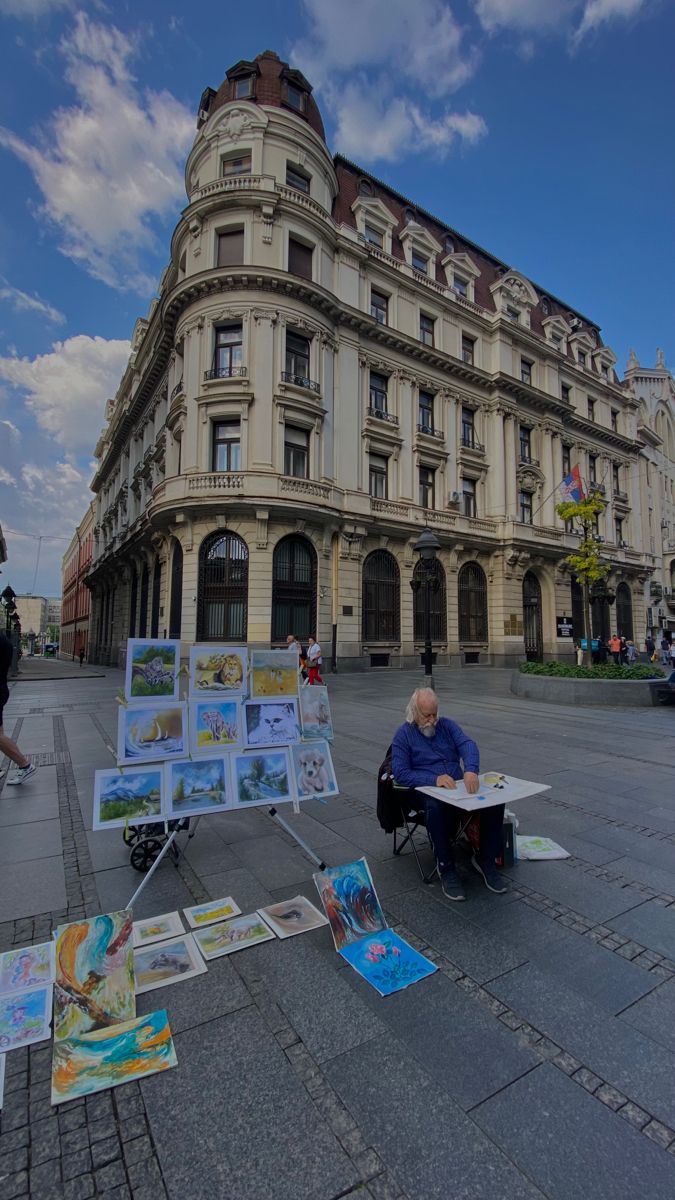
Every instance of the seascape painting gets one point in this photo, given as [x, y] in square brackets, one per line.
[218, 671]
[196, 787]
[25, 1018]
[271, 722]
[130, 795]
[153, 668]
[315, 714]
[263, 778]
[30, 966]
[274, 673]
[3, 1058]
[105, 1058]
[157, 929]
[151, 732]
[214, 910]
[94, 985]
[387, 962]
[313, 771]
[229, 936]
[168, 962]
[290, 917]
[214, 725]
[350, 902]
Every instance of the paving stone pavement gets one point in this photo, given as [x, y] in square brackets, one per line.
[538, 1062]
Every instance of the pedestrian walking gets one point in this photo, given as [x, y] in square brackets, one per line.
[579, 653]
[25, 768]
[81, 654]
[314, 660]
[665, 651]
[631, 652]
[623, 652]
[615, 648]
[293, 644]
[650, 647]
[672, 654]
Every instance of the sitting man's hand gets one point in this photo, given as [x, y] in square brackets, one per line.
[445, 781]
[471, 782]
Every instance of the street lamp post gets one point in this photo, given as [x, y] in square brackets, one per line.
[426, 546]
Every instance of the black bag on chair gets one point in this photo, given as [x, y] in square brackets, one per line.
[393, 802]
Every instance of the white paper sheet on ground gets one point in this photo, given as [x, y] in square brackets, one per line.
[495, 788]
[534, 848]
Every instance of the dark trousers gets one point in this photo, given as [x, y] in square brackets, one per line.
[443, 821]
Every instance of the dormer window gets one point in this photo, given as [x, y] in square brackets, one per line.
[373, 236]
[296, 98]
[365, 187]
[374, 221]
[513, 314]
[460, 286]
[420, 248]
[244, 87]
[581, 359]
[419, 262]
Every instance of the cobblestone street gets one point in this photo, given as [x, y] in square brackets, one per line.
[538, 1062]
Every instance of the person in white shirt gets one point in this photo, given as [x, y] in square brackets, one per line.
[314, 660]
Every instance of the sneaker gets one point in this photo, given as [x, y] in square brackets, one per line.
[493, 881]
[451, 886]
[22, 774]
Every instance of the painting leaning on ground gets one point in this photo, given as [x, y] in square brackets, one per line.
[107, 1057]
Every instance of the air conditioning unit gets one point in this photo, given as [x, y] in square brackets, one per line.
[453, 498]
[202, 115]
[575, 323]
[667, 591]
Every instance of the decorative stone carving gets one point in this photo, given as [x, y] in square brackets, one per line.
[261, 523]
[234, 124]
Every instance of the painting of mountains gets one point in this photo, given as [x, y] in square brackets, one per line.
[133, 794]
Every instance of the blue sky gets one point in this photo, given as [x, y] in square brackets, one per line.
[541, 129]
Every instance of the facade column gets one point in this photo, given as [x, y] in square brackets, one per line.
[510, 463]
[548, 504]
[496, 478]
[449, 424]
[556, 451]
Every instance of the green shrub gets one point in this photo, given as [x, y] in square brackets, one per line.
[606, 671]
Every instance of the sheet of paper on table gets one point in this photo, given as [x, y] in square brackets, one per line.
[495, 788]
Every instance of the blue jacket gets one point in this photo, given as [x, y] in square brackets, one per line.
[417, 761]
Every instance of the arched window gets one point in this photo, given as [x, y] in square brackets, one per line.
[176, 603]
[473, 613]
[381, 598]
[133, 601]
[222, 600]
[156, 593]
[293, 589]
[532, 622]
[438, 604]
[143, 614]
[624, 611]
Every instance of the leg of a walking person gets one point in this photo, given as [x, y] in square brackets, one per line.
[10, 748]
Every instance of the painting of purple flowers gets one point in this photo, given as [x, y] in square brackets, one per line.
[387, 962]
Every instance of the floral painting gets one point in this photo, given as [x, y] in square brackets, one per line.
[167, 962]
[25, 1017]
[131, 795]
[105, 1058]
[157, 929]
[28, 967]
[214, 910]
[94, 985]
[214, 725]
[262, 778]
[151, 732]
[274, 673]
[387, 962]
[201, 786]
[350, 902]
[218, 671]
[315, 714]
[313, 770]
[152, 669]
[228, 936]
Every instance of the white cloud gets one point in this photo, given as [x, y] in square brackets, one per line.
[22, 302]
[32, 8]
[11, 429]
[110, 164]
[5, 477]
[369, 127]
[597, 12]
[526, 16]
[66, 389]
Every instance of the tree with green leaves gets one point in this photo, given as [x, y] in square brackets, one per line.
[586, 564]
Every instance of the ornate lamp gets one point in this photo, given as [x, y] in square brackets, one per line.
[426, 546]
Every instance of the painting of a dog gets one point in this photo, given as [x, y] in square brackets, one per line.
[314, 771]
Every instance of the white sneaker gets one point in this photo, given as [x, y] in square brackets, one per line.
[22, 774]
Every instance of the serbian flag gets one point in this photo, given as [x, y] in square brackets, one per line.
[572, 488]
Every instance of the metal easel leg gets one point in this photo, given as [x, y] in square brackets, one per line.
[167, 845]
[296, 837]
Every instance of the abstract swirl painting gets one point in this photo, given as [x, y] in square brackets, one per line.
[105, 1058]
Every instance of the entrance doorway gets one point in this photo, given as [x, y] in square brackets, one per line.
[532, 623]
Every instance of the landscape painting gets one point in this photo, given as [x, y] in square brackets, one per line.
[289, 917]
[313, 771]
[131, 795]
[271, 722]
[168, 962]
[274, 673]
[151, 732]
[157, 929]
[315, 714]
[105, 1058]
[218, 670]
[25, 1018]
[196, 787]
[94, 985]
[387, 962]
[214, 725]
[214, 910]
[2, 1078]
[31, 966]
[350, 902]
[229, 936]
[263, 778]
[152, 669]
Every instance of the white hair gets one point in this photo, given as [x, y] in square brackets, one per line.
[412, 712]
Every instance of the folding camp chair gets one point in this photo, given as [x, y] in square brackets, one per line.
[411, 807]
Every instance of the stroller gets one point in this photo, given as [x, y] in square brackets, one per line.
[148, 841]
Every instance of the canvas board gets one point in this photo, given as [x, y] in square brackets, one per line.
[261, 778]
[27, 967]
[495, 788]
[157, 929]
[199, 786]
[350, 902]
[94, 974]
[215, 725]
[152, 732]
[167, 962]
[290, 917]
[236, 934]
[214, 910]
[315, 714]
[25, 1017]
[387, 962]
[129, 794]
[218, 671]
[3, 1058]
[274, 673]
[270, 723]
[313, 771]
[104, 1058]
[152, 670]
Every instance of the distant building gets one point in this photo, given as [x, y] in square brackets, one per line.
[76, 597]
[32, 611]
[53, 615]
[3, 547]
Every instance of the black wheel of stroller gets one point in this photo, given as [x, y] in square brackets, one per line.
[144, 853]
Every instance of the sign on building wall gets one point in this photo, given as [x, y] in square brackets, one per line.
[564, 627]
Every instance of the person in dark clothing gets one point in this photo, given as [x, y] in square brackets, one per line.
[25, 768]
[432, 751]
[80, 654]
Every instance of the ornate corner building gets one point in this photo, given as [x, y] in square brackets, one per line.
[328, 370]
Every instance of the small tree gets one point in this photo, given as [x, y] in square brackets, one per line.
[585, 562]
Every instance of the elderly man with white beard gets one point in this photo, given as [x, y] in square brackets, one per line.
[432, 751]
